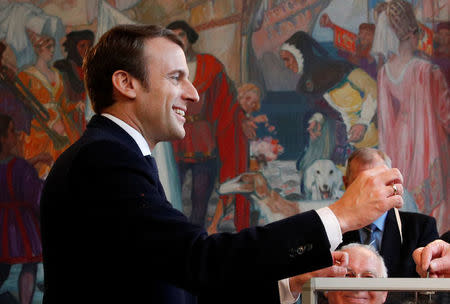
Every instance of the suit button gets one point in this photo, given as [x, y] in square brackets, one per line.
[309, 247]
[143, 205]
[300, 250]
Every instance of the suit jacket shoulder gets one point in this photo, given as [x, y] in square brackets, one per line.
[417, 230]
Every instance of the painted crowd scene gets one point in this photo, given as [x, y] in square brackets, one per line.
[288, 90]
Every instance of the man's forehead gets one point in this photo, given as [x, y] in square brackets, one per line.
[165, 52]
[362, 259]
[160, 43]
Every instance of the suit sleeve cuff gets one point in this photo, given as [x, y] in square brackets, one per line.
[332, 227]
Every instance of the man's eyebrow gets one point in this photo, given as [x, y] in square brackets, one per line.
[181, 72]
[365, 271]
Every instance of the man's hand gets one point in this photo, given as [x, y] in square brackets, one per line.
[260, 118]
[435, 257]
[249, 128]
[356, 133]
[368, 197]
[339, 269]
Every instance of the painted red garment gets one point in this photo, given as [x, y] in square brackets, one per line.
[213, 129]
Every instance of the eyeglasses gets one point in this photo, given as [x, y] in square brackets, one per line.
[365, 274]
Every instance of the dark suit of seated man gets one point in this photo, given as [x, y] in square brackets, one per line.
[396, 248]
[110, 236]
[446, 236]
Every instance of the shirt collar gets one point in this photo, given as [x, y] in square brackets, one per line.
[138, 138]
[379, 222]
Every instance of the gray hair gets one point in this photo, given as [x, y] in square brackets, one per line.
[384, 271]
[366, 155]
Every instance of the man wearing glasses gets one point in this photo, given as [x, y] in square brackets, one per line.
[364, 262]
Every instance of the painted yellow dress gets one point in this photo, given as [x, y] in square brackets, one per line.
[53, 132]
[355, 98]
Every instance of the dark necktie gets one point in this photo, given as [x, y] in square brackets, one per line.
[370, 235]
[151, 160]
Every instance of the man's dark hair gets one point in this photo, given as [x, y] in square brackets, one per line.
[70, 45]
[121, 48]
[191, 34]
[5, 120]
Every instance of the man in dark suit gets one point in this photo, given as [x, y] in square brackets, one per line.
[395, 247]
[446, 236]
[109, 234]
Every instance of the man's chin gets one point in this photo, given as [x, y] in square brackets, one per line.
[174, 135]
[180, 134]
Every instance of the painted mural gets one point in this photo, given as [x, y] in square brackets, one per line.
[289, 88]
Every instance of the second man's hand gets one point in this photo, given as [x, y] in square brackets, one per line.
[338, 269]
[368, 197]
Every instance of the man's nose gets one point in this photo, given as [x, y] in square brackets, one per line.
[190, 93]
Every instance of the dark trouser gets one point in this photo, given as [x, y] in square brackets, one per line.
[203, 180]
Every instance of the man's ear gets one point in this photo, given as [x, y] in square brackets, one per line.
[123, 82]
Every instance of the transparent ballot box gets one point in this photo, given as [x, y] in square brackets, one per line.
[400, 290]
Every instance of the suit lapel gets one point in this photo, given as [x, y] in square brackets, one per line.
[115, 132]
[154, 169]
[391, 244]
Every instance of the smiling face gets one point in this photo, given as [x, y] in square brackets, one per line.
[161, 105]
[364, 263]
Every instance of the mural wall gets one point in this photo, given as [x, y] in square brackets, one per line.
[289, 88]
